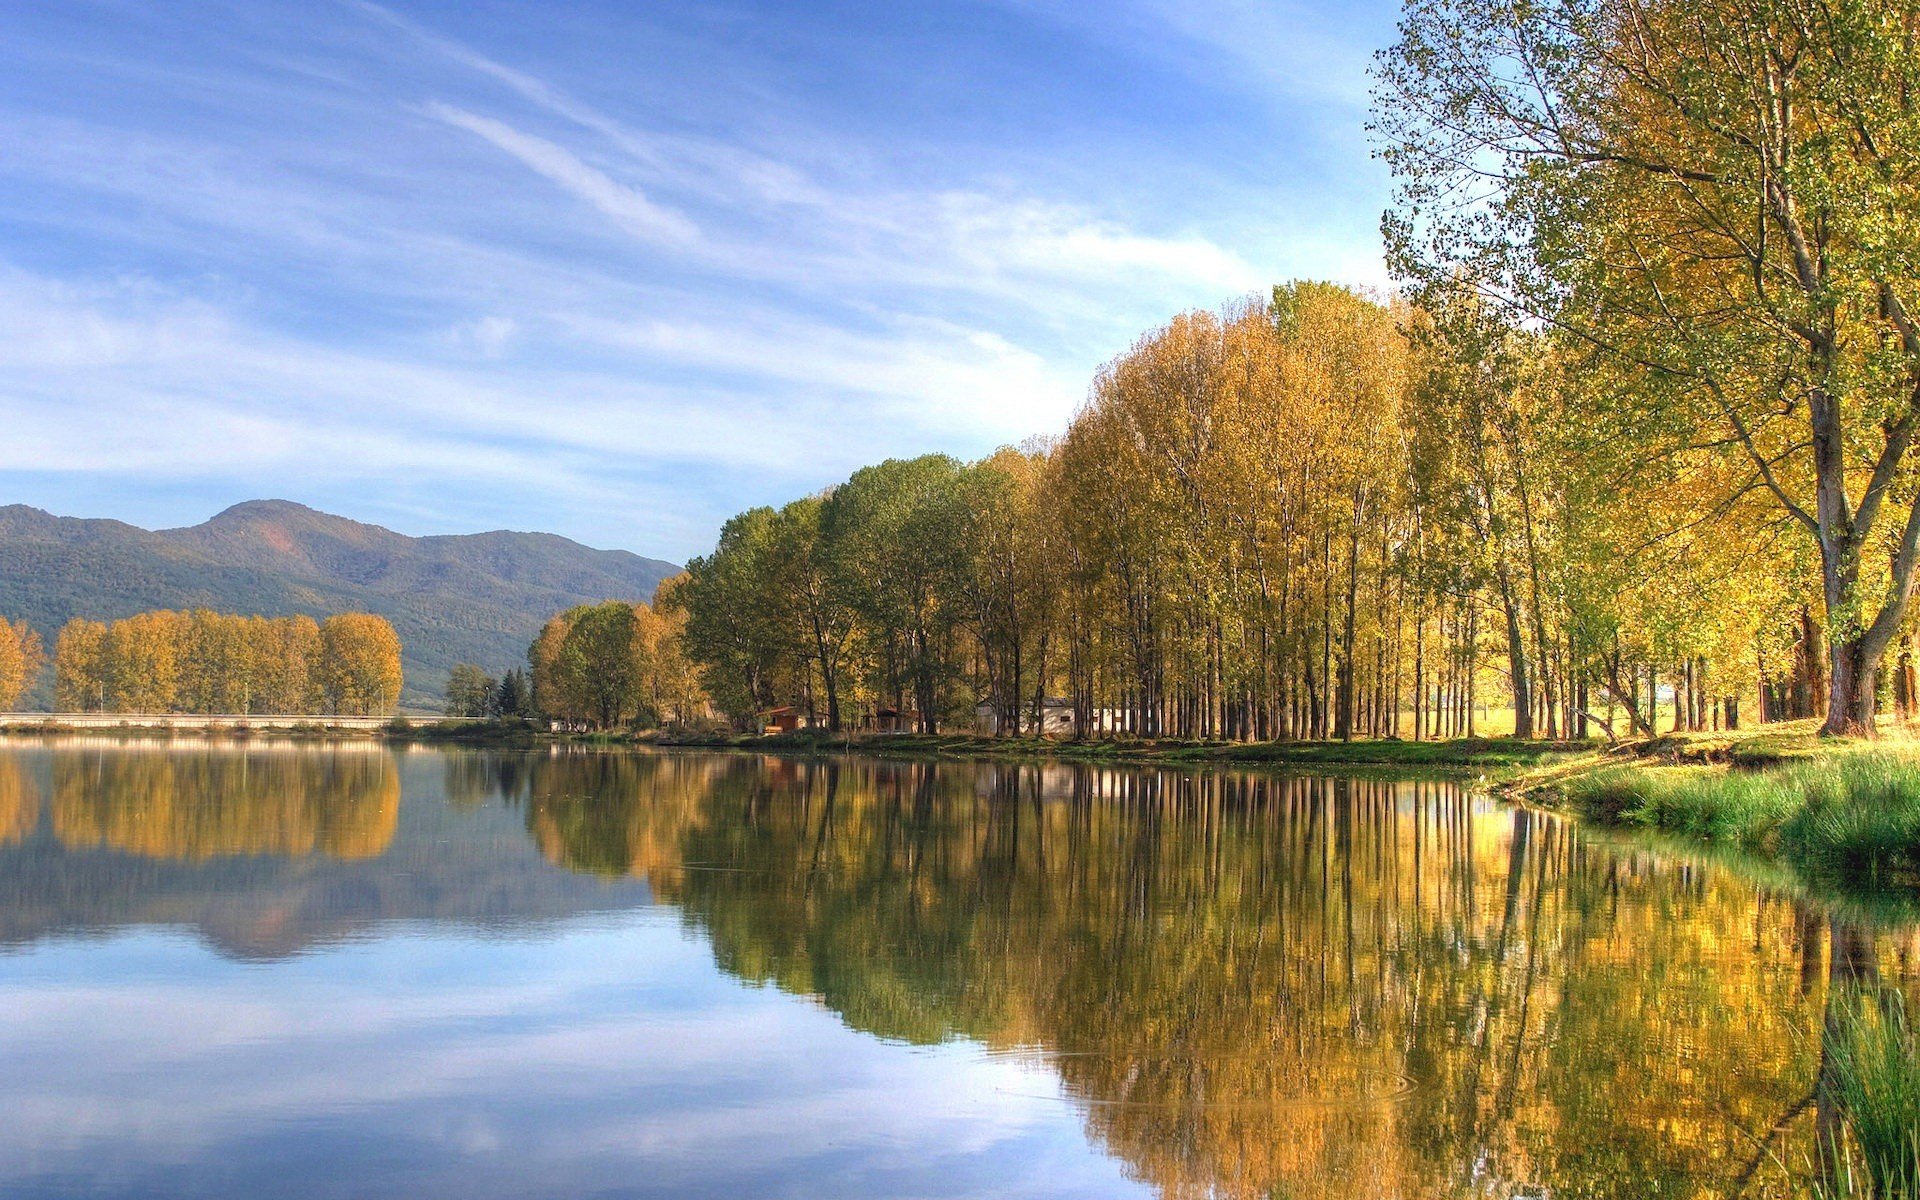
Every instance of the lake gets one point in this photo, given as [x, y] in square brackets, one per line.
[348, 971]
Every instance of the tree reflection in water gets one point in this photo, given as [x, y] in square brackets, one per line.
[19, 802]
[1262, 985]
[340, 800]
[1250, 985]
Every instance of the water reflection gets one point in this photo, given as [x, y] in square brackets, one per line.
[338, 800]
[265, 852]
[1237, 985]
[1331, 987]
[19, 802]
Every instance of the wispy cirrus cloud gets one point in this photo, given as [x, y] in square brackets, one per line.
[627, 206]
[497, 271]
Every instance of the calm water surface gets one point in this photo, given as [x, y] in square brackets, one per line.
[349, 972]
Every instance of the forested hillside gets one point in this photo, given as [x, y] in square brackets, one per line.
[476, 598]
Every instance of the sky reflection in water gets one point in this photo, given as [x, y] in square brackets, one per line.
[341, 972]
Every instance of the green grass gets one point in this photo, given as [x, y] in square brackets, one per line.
[1874, 1073]
[1852, 812]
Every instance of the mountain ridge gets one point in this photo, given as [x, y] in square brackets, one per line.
[473, 597]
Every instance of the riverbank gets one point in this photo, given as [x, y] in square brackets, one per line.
[1847, 810]
[1501, 756]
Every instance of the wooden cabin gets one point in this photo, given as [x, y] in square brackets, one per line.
[891, 720]
[784, 719]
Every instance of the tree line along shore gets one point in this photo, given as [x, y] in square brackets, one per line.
[203, 662]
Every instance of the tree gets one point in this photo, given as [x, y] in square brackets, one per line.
[613, 664]
[79, 667]
[142, 656]
[601, 663]
[1010, 585]
[670, 682]
[360, 665]
[21, 657]
[512, 697]
[897, 532]
[217, 663]
[469, 690]
[741, 621]
[287, 651]
[546, 690]
[1717, 196]
[802, 560]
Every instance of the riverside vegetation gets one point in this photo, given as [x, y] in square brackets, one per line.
[210, 663]
[1636, 425]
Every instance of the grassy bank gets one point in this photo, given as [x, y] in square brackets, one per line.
[1847, 809]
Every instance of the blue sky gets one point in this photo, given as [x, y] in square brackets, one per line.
[617, 270]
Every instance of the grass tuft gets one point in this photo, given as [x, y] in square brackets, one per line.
[1874, 1073]
[1855, 813]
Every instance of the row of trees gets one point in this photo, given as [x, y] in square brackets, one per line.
[1707, 208]
[471, 692]
[209, 662]
[615, 665]
[1633, 436]
[22, 655]
[1319, 515]
[863, 596]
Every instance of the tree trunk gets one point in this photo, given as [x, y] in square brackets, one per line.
[1343, 719]
[1850, 688]
[1517, 662]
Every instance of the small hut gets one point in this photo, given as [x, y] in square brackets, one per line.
[891, 720]
[784, 719]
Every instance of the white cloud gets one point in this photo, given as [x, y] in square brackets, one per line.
[934, 377]
[1030, 237]
[780, 304]
[486, 336]
[627, 205]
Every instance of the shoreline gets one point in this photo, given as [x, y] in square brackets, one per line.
[1839, 817]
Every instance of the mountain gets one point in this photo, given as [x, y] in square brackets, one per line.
[476, 598]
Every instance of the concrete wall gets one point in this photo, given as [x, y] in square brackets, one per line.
[99, 720]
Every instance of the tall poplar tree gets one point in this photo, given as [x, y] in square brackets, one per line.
[1721, 195]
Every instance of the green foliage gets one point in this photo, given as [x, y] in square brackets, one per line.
[600, 661]
[1873, 1074]
[512, 697]
[1854, 813]
[610, 666]
[1860, 814]
[469, 691]
[739, 615]
[897, 544]
[1710, 201]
